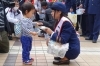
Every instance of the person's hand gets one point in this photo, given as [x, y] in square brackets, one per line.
[33, 33]
[47, 41]
[48, 30]
[39, 23]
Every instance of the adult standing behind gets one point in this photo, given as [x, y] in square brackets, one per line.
[84, 21]
[70, 4]
[94, 19]
[66, 35]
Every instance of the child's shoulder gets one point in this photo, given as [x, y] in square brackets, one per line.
[26, 20]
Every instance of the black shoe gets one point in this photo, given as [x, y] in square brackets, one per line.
[87, 38]
[94, 41]
[57, 58]
[10, 37]
[59, 62]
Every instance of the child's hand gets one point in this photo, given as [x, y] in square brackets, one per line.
[33, 33]
[48, 30]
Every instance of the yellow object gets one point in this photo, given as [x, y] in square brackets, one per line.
[73, 18]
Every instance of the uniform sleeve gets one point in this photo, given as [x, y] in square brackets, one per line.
[10, 19]
[66, 32]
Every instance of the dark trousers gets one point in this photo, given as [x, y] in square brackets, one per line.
[26, 46]
[94, 26]
[82, 21]
[12, 28]
[78, 22]
[84, 25]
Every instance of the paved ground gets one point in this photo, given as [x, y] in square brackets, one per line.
[90, 54]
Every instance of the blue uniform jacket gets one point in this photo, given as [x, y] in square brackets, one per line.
[86, 6]
[68, 35]
[94, 7]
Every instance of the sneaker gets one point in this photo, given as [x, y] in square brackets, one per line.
[27, 62]
[31, 60]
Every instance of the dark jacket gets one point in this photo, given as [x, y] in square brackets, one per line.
[93, 6]
[4, 19]
[48, 21]
[69, 4]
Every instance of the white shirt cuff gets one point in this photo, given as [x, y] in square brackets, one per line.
[51, 34]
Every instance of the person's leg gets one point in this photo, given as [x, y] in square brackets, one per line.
[90, 26]
[25, 46]
[30, 46]
[96, 28]
[72, 53]
[4, 42]
[83, 24]
[10, 34]
[78, 21]
[87, 24]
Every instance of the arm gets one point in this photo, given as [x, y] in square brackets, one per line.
[86, 4]
[66, 32]
[21, 15]
[10, 19]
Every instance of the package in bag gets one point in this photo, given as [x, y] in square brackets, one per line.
[17, 29]
[57, 49]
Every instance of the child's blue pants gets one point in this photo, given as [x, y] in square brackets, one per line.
[26, 47]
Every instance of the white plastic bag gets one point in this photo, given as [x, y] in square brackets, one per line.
[80, 11]
[17, 29]
[57, 49]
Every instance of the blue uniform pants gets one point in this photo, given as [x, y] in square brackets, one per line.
[26, 46]
[94, 26]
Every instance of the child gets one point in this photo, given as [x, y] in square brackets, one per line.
[71, 11]
[27, 31]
